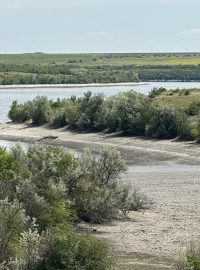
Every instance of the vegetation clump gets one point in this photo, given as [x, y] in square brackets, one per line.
[191, 259]
[128, 112]
[44, 192]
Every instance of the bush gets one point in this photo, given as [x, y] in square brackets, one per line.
[191, 258]
[43, 192]
[37, 213]
[163, 123]
[41, 113]
[69, 250]
[193, 109]
[59, 118]
[91, 112]
[20, 112]
[157, 91]
[129, 113]
[99, 195]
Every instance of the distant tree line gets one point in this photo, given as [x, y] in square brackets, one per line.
[61, 74]
[75, 73]
[127, 112]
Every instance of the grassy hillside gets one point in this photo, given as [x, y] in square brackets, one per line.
[103, 59]
[40, 68]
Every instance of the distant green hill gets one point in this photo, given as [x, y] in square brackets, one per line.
[41, 68]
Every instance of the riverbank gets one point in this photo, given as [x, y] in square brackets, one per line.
[16, 86]
[166, 171]
[138, 150]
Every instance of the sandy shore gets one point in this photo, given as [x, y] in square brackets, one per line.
[137, 150]
[166, 171]
[15, 86]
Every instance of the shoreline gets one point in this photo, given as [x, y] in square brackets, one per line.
[137, 150]
[16, 86]
[32, 86]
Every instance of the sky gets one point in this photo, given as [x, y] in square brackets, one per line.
[80, 26]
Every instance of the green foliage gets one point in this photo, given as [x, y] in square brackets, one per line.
[156, 92]
[163, 123]
[91, 112]
[128, 112]
[20, 112]
[65, 253]
[41, 111]
[44, 190]
[40, 68]
[99, 170]
[12, 223]
[191, 258]
[193, 109]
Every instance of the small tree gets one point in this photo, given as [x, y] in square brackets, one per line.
[41, 113]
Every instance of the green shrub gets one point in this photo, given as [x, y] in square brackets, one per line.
[37, 213]
[69, 250]
[163, 123]
[157, 91]
[129, 113]
[99, 195]
[58, 119]
[191, 258]
[193, 109]
[20, 112]
[41, 112]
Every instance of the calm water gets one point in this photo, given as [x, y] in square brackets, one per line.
[9, 144]
[22, 95]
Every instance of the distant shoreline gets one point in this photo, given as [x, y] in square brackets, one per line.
[16, 86]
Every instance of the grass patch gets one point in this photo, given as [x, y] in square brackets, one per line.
[178, 98]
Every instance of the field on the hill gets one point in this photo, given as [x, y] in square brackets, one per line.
[103, 59]
[40, 68]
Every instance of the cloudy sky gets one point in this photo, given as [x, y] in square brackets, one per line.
[72, 26]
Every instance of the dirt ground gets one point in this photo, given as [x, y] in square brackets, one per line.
[167, 171]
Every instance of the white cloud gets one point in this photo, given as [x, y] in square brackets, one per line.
[194, 31]
[12, 5]
[99, 33]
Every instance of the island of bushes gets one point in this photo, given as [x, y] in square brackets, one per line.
[129, 112]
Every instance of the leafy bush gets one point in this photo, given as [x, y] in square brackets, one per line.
[129, 112]
[43, 191]
[191, 259]
[193, 109]
[59, 118]
[98, 176]
[68, 250]
[20, 112]
[41, 111]
[163, 123]
[157, 91]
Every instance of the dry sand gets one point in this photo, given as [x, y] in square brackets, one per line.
[167, 171]
[14, 86]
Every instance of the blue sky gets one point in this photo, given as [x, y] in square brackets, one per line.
[72, 26]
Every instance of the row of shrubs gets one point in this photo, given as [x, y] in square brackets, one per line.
[112, 76]
[128, 112]
[45, 191]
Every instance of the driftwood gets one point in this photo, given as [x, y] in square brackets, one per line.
[48, 138]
